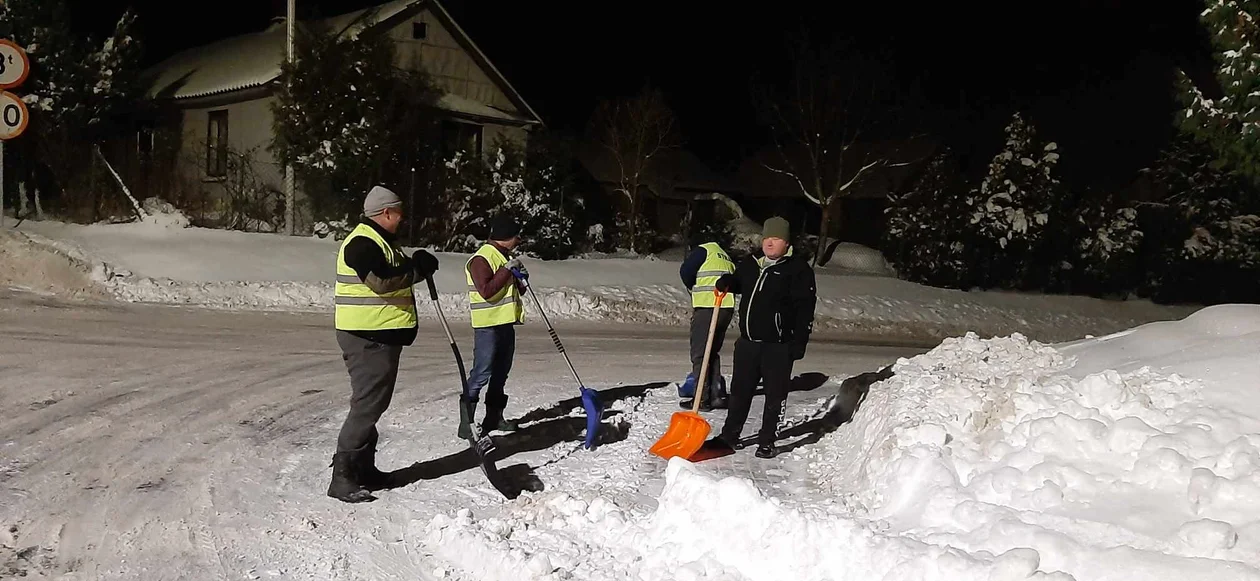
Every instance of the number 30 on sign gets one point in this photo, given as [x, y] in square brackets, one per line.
[13, 116]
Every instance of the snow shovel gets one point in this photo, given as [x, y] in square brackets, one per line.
[688, 430]
[480, 445]
[590, 399]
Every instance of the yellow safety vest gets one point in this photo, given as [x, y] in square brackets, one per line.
[504, 307]
[358, 307]
[716, 264]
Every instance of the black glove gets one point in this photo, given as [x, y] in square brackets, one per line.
[798, 350]
[424, 264]
[725, 283]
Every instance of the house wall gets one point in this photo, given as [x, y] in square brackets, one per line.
[455, 70]
[249, 133]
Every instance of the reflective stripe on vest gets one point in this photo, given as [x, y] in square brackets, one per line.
[505, 307]
[357, 306]
[716, 264]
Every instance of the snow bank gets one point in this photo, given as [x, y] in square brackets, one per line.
[165, 263]
[982, 459]
[996, 445]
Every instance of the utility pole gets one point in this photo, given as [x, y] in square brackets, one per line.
[290, 214]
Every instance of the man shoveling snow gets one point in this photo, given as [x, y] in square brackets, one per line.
[375, 317]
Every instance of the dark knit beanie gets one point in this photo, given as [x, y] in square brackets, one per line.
[504, 228]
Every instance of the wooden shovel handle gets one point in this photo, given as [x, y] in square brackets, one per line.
[708, 348]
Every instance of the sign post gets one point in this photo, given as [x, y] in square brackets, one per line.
[14, 68]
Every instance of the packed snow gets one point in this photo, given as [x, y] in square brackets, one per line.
[982, 459]
[1129, 456]
[163, 261]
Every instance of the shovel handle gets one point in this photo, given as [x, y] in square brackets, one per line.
[708, 348]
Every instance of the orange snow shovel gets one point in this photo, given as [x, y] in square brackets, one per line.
[687, 430]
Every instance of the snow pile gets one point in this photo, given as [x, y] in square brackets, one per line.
[991, 445]
[859, 259]
[162, 214]
[27, 265]
[1133, 456]
[703, 529]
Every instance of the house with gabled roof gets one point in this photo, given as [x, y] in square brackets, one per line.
[222, 93]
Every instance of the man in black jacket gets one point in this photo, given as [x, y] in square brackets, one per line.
[776, 316]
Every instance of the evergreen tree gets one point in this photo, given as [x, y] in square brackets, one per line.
[1011, 211]
[1205, 237]
[1232, 124]
[926, 238]
[348, 119]
[75, 88]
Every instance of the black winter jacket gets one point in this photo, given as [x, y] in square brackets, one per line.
[776, 304]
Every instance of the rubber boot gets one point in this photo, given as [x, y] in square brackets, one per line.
[494, 416]
[721, 399]
[345, 486]
[369, 476]
[467, 409]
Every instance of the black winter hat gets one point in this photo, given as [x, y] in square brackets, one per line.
[504, 228]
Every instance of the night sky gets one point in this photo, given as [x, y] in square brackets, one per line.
[1095, 74]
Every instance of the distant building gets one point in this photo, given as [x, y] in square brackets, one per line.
[222, 93]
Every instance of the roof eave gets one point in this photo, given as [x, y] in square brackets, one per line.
[513, 93]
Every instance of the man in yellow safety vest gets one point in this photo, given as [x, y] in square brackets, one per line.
[700, 271]
[494, 297]
[375, 317]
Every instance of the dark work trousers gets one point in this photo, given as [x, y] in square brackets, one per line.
[701, 318]
[493, 351]
[754, 362]
[373, 370]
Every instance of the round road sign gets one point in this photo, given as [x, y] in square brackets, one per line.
[14, 65]
[13, 115]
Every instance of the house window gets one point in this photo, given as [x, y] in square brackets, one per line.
[419, 30]
[459, 136]
[145, 142]
[216, 144]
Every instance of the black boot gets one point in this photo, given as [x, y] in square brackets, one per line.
[467, 409]
[764, 451]
[345, 486]
[705, 406]
[494, 416]
[369, 476]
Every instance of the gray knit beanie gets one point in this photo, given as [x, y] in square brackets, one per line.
[378, 199]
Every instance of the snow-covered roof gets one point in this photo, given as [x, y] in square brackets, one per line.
[254, 59]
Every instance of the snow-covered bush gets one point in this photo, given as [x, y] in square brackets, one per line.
[926, 239]
[1108, 246]
[525, 185]
[1205, 235]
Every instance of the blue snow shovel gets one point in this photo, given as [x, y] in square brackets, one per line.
[590, 398]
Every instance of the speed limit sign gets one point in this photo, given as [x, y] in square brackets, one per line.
[14, 64]
[13, 115]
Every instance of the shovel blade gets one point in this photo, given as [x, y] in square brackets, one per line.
[686, 434]
[594, 413]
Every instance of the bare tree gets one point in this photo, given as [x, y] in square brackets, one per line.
[822, 118]
[635, 131]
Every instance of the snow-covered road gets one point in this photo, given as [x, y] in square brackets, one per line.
[141, 442]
